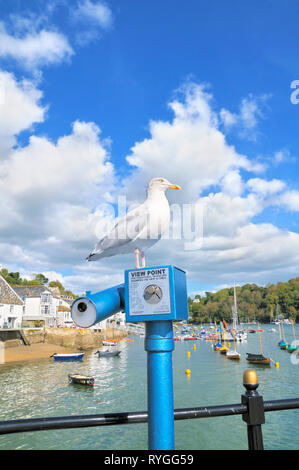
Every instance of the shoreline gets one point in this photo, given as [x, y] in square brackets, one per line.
[33, 352]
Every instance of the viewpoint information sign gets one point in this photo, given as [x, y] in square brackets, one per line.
[149, 292]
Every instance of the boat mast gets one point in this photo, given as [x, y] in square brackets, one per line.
[282, 329]
[277, 312]
[235, 310]
[292, 321]
[258, 330]
[280, 337]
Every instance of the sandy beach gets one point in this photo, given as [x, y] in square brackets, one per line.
[33, 352]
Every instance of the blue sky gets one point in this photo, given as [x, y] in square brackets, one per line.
[116, 67]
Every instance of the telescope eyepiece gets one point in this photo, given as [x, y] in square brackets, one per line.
[82, 307]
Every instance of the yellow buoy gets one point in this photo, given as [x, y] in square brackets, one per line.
[194, 347]
[188, 372]
[276, 364]
[188, 353]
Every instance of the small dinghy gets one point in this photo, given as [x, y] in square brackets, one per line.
[81, 379]
[108, 353]
[68, 357]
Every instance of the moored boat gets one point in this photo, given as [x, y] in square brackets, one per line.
[108, 353]
[257, 359]
[211, 337]
[81, 379]
[67, 357]
[292, 347]
[223, 350]
[233, 355]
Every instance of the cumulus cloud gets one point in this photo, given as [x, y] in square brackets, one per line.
[20, 108]
[264, 187]
[52, 194]
[190, 150]
[49, 191]
[34, 49]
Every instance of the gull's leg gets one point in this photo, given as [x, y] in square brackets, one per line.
[142, 259]
[137, 258]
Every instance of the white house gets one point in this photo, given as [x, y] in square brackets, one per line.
[43, 304]
[118, 320]
[11, 306]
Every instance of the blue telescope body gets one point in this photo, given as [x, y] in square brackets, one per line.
[93, 308]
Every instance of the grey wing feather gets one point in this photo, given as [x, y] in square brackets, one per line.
[125, 230]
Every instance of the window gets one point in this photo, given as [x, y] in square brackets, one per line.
[11, 308]
[46, 298]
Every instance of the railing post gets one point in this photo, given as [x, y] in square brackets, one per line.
[255, 415]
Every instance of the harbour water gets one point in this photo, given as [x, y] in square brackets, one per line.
[40, 388]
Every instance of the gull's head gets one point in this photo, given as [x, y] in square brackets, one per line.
[161, 184]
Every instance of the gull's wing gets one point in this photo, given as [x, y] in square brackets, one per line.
[126, 230]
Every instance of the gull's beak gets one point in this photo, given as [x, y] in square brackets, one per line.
[174, 186]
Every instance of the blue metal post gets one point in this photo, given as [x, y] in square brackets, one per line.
[159, 344]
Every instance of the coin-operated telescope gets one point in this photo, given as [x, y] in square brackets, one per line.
[156, 296]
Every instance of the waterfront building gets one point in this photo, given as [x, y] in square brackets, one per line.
[11, 306]
[42, 306]
[115, 321]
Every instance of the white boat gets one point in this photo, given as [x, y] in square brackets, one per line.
[230, 354]
[233, 354]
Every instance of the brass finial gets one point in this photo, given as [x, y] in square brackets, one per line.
[250, 377]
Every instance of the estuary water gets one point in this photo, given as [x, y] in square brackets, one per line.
[41, 389]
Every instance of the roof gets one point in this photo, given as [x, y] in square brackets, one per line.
[8, 294]
[29, 291]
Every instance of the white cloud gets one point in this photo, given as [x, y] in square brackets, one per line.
[264, 187]
[20, 108]
[246, 120]
[52, 194]
[290, 200]
[232, 183]
[190, 150]
[93, 12]
[66, 169]
[228, 119]
[34, 49]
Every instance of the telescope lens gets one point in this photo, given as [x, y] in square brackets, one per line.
[82, 307]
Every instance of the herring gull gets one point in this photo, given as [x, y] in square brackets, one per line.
[141, 227]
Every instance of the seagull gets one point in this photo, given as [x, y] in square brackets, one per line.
[141, 227]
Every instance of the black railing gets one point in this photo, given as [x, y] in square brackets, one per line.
[252, 409]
